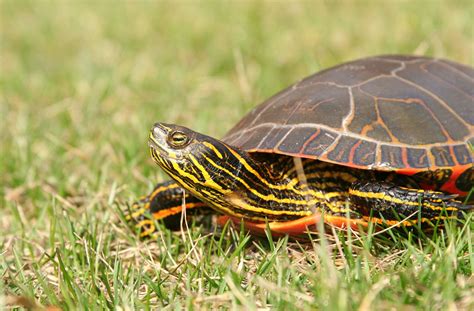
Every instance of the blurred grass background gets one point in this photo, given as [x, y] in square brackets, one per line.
[82, 82]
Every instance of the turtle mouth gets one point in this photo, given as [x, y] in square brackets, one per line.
[153, 145]
[156, 139]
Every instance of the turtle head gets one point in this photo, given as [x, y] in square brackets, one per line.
[173, 143]
[194, 160]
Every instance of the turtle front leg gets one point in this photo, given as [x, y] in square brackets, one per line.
[388, 203]
[165, 202]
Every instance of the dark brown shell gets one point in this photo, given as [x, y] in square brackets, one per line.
[404, 113]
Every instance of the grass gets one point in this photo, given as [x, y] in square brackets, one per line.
[81, 84]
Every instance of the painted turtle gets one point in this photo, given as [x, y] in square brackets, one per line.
[383, 139]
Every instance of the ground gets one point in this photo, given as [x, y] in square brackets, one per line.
[82, 83]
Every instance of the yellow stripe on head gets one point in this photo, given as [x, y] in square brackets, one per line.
[213, 148]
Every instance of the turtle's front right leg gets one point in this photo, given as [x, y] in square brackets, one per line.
[164, 203]
[390, 204]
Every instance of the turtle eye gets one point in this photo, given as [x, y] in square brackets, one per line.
[178, 139]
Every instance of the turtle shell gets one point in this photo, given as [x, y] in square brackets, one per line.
[409, 114]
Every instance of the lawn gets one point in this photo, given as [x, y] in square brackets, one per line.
[80, 86]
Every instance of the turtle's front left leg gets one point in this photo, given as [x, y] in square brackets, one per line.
[165, 202]
[389, 203]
